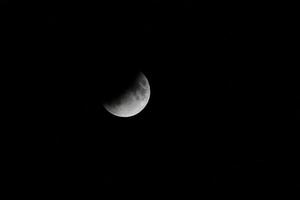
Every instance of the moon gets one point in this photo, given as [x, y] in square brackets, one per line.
[132, 101]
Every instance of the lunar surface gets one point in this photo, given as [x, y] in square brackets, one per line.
[132, 101]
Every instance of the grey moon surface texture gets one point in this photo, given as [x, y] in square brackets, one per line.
[133, 101]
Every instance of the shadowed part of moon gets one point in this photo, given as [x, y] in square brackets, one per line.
[132, 101]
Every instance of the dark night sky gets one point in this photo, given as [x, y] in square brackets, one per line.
[217, 121]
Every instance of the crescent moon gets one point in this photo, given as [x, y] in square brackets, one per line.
[133, 101]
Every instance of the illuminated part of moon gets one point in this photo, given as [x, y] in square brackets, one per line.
[132, 101]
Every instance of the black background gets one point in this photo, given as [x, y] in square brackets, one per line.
[218, 123]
